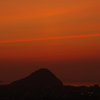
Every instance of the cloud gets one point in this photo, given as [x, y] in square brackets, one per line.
[50, 38]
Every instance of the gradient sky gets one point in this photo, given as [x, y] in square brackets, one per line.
[61, 35]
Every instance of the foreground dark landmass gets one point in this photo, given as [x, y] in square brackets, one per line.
[44, 85]
[52, 93]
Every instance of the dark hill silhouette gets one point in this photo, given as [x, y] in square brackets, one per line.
[0, 81]
[39, 78]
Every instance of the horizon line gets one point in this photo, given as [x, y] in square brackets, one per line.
[50, 38]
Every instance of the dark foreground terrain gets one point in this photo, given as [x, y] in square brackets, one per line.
[54, 93]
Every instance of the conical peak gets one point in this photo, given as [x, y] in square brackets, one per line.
[40, 78]
[41, 70]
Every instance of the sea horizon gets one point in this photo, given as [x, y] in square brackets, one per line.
[75, 84]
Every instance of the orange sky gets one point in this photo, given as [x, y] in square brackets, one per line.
[49, 31]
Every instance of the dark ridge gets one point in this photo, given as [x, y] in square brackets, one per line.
[40, 78]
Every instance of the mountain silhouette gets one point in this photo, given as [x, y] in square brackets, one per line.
[40, 78]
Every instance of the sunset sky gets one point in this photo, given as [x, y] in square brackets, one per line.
[61, 35]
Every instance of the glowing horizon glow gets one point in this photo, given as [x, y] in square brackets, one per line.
[51, 38]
